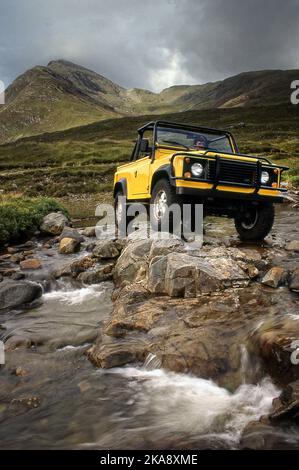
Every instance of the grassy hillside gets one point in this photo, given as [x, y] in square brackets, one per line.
[82, 160]
[63, 95]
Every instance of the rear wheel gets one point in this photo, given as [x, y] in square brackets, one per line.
[255, 222]
[120, 211]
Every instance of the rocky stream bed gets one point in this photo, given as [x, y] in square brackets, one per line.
[150, 344]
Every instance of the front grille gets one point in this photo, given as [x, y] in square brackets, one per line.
[233, 172]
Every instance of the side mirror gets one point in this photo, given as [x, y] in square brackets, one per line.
[144, 146]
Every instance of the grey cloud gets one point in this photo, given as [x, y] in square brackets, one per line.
[150, 44]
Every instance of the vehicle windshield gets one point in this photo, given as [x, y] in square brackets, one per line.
[193, 140]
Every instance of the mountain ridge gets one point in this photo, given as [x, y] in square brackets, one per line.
[63, 95]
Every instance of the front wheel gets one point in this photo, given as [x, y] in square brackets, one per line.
[163, 197]
[255, 222]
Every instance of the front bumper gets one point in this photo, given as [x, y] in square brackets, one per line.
[229, 179]
[188, 188]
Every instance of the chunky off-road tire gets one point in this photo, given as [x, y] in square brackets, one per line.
[163, 196]
[120, 213]
[255, 222]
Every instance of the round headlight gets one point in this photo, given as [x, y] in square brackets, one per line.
[265, 177]
[197, 169]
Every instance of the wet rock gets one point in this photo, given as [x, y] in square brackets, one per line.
[74, 267]
[62, 271]
[25, 403]
[29, 245]
[276, 342]
[54, 223]
[245, 255]
[7, 272]
[275, 277]
[293, 246]
[89, 232]
[12, 250]
[181, 275]
[33, 263]
[262, 435]
[117, 354]
[5, 257]
[252, 271]
[20, 372]
[69, 232]
[16, 342]
[156, 274]
[132, 262]
[47, 246]
[18, 276]
[164, 247]
[68, 246]
[286, 406]
[17, 293]
[81, 265]
[294, 281]
[97, 274]
[17, 257]
[106, 249]
[202, 336]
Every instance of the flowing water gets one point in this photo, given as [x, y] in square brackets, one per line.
[52, 397]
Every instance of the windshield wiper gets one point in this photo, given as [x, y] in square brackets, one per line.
[176, 143]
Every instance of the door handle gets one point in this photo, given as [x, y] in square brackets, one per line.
[136, 173]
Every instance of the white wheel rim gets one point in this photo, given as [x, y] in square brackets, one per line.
[160, 205]
[249, 225]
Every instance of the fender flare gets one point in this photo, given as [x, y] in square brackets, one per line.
[121, 184]
[163, 172]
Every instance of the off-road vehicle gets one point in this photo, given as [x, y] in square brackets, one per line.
[175, 163]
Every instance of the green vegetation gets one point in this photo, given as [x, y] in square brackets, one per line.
[20, 217]
[82, 160]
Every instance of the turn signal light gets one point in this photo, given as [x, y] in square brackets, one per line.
[187, 174]
[274, 185]
[187, 160]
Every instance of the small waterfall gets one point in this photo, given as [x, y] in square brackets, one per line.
[152, 362]
[250, 370]
[244, 363]
[184, 405]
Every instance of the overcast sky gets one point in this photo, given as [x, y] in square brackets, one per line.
[150, 44]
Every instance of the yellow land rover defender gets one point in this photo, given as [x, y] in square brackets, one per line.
[178, 163]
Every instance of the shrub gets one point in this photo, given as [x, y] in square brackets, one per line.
[20, 217]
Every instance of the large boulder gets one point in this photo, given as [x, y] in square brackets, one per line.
[17, 293]
[202, 335]
[132, 262]
[54, 223]
[182, 275]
